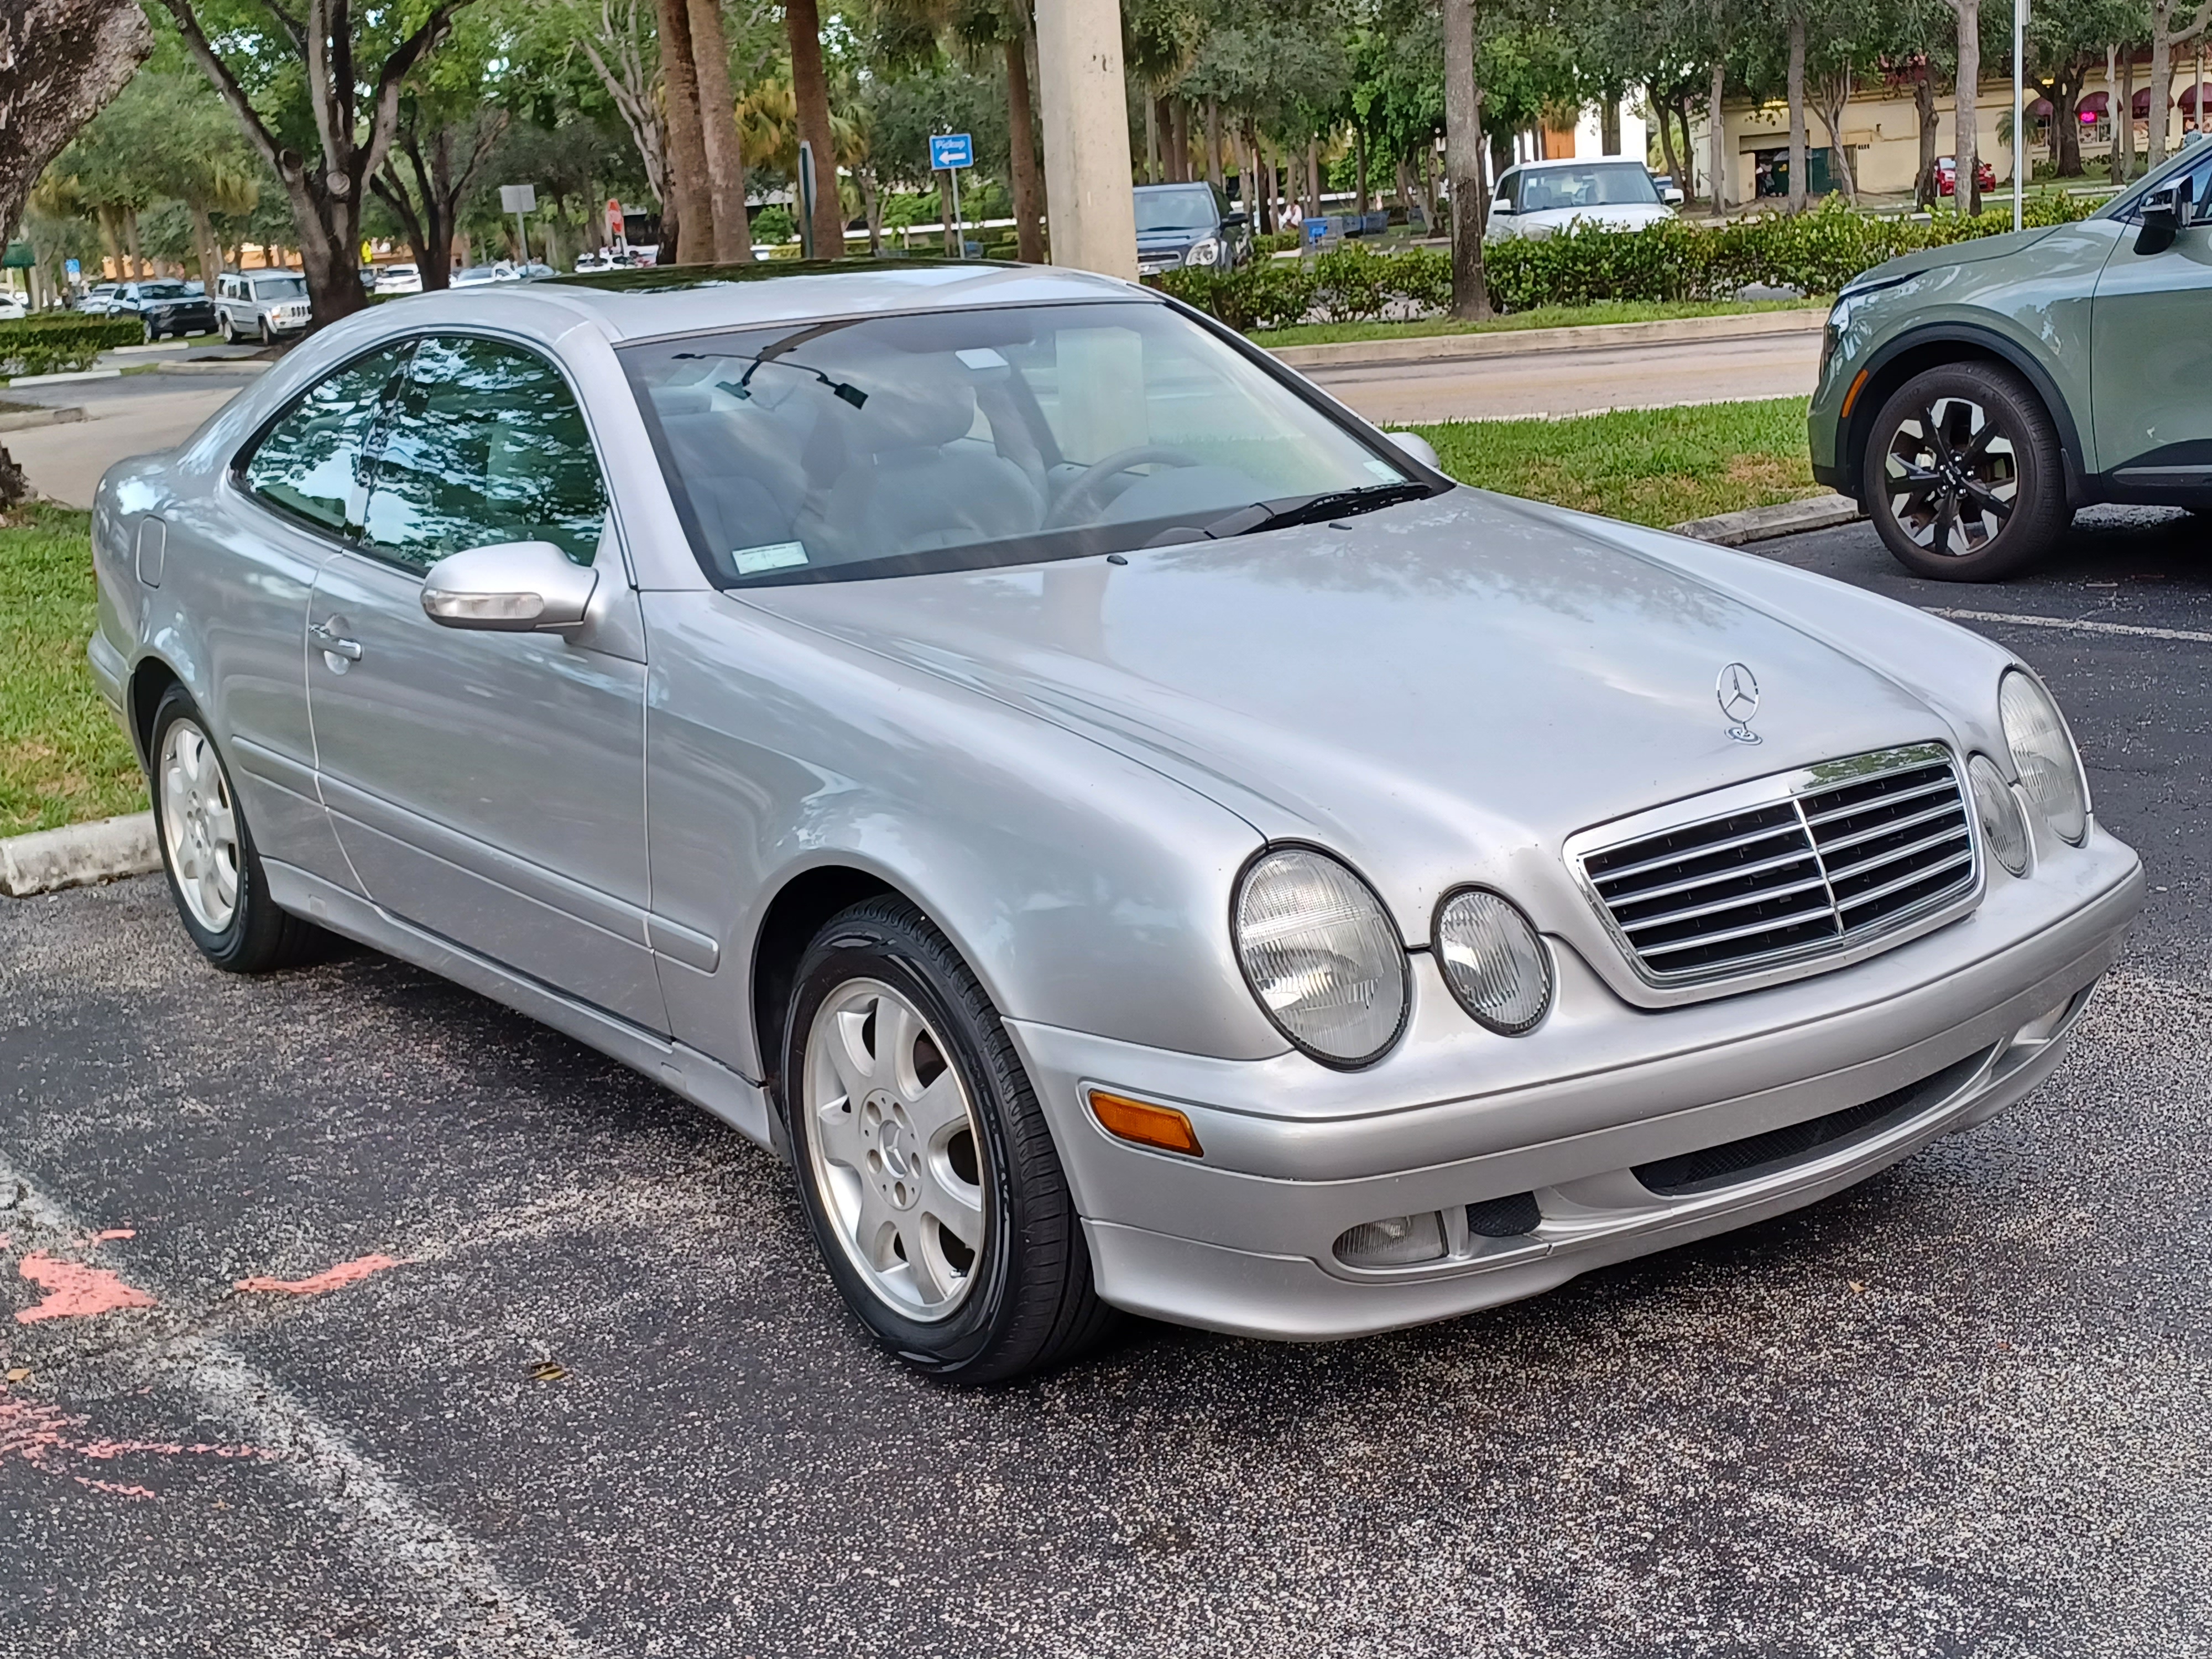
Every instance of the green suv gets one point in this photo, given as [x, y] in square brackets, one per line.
[1972, 397]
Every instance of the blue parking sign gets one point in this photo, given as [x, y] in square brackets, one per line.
[71, 266]
[951, 150]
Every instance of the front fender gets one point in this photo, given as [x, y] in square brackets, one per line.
[1085, 890]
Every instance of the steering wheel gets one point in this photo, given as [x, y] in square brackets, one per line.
[1085, 496]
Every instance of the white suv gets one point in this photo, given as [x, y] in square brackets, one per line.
[260, 305]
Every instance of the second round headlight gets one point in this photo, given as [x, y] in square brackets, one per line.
[1321, 956]
[2044, 755]
[2002, 830]
[1493, 962]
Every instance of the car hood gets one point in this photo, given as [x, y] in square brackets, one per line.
[1440, 691]
[1626, 215]
[1971, 252]
[1168, 241]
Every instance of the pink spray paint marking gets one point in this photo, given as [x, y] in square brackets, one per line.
[74, 1291]
[330, 1279]
[112, 1232]
[42, 1437]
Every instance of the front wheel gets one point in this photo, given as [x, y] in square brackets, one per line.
[223, 327]
[927, 1173]
[149, 332]
[215, 874]
[1965, 478]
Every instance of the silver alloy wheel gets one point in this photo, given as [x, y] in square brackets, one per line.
[1953, 474]
[199, 825]
[893, 1149]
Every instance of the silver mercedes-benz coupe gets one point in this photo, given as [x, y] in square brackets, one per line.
[1131, 834]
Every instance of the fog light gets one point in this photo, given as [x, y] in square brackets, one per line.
[1398, 1242]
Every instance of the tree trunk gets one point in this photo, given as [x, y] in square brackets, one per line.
[1966, 131]
[1608, 126]
[1153, 173]
[718, 130]
[1181, 133]
[2066, 126]
[1360, 169]
[802, 22]
[60, 62]
[1402, 185]
[131, 241]
[688, 187]
[1313, 177]
[1835, 99]
[1796, 93]
[872, 207]
[2127, 115]
[1463, 162]
[1923, 109]
[1667, 142]
[1719, 135]
[952, 249]
[1213, 142]
[1021, 123]
[2161, 85]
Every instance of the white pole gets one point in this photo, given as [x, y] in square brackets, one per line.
[1084, 104]
[2020, 105]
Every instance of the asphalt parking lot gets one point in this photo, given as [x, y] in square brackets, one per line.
[603, 1401]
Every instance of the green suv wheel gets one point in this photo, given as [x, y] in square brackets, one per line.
[1964, 480]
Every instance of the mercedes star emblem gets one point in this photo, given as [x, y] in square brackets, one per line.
[1737, 690]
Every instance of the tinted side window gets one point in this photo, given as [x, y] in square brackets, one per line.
[485, 445]
[1508, 190]
[309, 464]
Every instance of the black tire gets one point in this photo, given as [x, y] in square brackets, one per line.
[258, 936]
[150, 331]
[1029, 1302]
[263, 334]
[1963, 477]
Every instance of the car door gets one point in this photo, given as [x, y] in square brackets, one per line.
[239, 564]
[490, 787]
[2150, 354]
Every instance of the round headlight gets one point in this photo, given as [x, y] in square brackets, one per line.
[1493, 961]
[2044, 755]
[2002, 830]
[1320, 956]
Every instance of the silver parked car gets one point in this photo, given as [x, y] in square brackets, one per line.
[1132, 834]
[261, 305]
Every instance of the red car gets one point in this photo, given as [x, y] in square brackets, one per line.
[1947, 175]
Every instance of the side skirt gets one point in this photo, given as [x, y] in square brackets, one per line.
[738, 1100]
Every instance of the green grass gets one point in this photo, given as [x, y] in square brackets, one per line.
[1611, 310]
[62, 756]
[1655, 466]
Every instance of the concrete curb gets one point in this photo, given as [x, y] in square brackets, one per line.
[70, 374]
[213, 366]
[1760, 524]
[1512, 342]
[25, 420]
[78, 855]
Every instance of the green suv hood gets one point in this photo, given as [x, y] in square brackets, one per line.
[1967, 253]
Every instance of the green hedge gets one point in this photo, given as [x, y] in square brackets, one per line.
[1676, 259]
[62, 341]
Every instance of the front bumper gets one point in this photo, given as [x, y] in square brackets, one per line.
[1957, 1025]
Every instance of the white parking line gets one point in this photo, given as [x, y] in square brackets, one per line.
[390, 1533]
[2083, 627]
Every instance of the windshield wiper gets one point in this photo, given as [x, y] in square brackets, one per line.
[1312, 509]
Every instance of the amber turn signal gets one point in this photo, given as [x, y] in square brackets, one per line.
[1147, 1124]
[1858, 385]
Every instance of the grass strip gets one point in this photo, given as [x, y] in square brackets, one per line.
[63, 757]
[1611, 310]
[1652, 466]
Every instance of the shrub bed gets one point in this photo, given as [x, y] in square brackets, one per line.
[1676, 259]
[62, 344]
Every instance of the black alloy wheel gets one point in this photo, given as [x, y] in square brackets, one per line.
[1964, 476]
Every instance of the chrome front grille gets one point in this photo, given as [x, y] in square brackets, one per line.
[1800, 865]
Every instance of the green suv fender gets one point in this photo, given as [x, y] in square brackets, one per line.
[2021, 299]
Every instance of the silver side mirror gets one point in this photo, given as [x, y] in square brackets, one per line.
[510, 588]
[1419, 447]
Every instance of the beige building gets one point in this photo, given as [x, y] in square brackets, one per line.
[1881, 126]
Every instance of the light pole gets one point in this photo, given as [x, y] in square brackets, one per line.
[2019, 103]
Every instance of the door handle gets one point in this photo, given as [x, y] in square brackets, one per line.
[328, 638]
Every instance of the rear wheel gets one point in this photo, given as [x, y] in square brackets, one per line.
[925, 1165]
[1963, 477]
[215, 875]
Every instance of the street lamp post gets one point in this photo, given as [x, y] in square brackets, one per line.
[2019, 103]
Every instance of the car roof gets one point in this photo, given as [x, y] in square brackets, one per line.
[661, 300]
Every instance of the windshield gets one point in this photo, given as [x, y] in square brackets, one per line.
[280, 288]
[1619, 185]
[163, 291]
[1183, 207]
[965, 440]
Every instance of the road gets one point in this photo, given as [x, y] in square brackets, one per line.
[1581, 382]
[139, 412]
[604, 1401]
